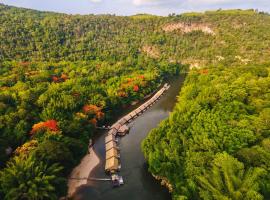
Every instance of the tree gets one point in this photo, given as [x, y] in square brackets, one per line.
[51, 152]
[229, 180]
[27, 179]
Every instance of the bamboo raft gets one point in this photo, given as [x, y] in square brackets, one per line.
[120, 128]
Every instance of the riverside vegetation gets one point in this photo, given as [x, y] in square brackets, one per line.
[63, 75]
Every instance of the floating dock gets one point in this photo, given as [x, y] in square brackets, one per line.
[120, 128]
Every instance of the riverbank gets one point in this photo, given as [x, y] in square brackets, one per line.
[139, 183]
[80, 173]
[83, 170]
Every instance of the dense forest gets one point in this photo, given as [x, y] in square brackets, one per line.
[215, 145]
[62, 75]
[54, 93]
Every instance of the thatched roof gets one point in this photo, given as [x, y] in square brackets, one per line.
[111, 153]
[123, 129]
[122, 121]
[117, 126]
[127, 118]
[133, 114]
[137, 111]
[112, 132]
[109, 137]
[112, 164]
[110, 145]
[143, 106]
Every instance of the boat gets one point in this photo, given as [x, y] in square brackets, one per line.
[117, 180]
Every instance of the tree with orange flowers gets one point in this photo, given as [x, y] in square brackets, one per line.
[49, 125]
[55, 79]
[91, 109]
[64, 77]
[136, 88]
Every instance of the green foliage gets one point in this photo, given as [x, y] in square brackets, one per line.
[51, 152]
[219, 110]
[229, 180]
[52, 65]
[29, 179]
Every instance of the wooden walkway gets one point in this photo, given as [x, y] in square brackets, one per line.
[128, 118]
[113, 166]
[92, 179]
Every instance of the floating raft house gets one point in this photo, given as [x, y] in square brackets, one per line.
[109, 138]
[120, 128]
[112, 153]
[112, 165]
[123, 130]
[110, 145]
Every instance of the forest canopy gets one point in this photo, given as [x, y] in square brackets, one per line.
[61, 76]
[215, 145]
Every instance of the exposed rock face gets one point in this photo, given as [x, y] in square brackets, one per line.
[220, 58]
[151, 51]
[188, 27]
[194, 63]
[243, 60]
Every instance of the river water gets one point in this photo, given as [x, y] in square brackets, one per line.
[139, 183]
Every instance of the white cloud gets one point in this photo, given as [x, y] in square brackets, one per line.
[191, 2]
[150, 2]
[96, 1]
[140, 2]
[204, 2]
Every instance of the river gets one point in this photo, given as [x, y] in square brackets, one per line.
[139, 183]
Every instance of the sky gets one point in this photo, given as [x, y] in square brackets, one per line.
[131, 7]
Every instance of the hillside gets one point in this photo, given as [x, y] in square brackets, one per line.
[215, 145]
[62, 75]
[235, 36]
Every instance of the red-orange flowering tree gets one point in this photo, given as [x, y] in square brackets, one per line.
[55, 79]
[49, 125]
[136, 88]
[64, 77]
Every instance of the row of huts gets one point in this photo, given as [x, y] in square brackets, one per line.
[120, 128]
[112, 154]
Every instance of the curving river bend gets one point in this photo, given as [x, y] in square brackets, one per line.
[139, 183]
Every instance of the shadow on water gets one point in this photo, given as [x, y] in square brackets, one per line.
[139, 183]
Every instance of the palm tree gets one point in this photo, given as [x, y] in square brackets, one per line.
[28, 179]
[228, 180]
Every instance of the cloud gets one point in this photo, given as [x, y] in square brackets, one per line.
[141, 2]
[130, 7]
[150, 2]
[191, 2]
[96, 1]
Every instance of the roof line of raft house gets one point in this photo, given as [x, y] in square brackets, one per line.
[110, 145]
[112, 165]
[121, 122]
[112, 153]
[112, 132]
[132, 114]
[116, 126]
[109, 138]
[143, 107]
[127, 118]
[123, 130]
[137, 111]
